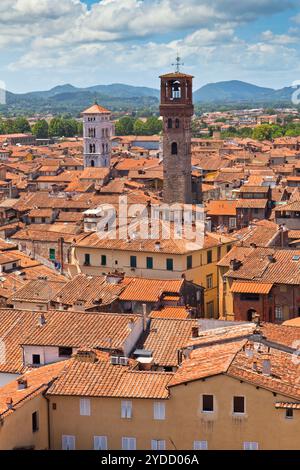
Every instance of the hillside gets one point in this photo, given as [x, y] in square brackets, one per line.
[121, 97]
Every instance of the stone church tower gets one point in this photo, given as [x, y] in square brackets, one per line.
[97, 133]
[177, 110]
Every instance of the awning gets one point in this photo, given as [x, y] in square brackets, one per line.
[250, 287]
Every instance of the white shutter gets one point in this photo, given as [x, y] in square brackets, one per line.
[250, 445]
[126, 409]
[158, 444]
[128, 443]
[68, 442]
[85, 407]
[100, 443]
[159, 410]
[200, 445]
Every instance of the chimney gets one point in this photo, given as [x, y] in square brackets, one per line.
[235, 264]
[144, 317]
[86, 355]
[254, 366]
[271, 259]
[195, 332]
[266, 367]
[131, 324]
[9, 403]
[22, 384]
[42, 320]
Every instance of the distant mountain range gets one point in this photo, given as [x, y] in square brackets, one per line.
[67, 98]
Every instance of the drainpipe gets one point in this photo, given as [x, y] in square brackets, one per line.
[48, 421]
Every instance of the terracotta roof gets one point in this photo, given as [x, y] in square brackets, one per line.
[252, 203]
[150, 290]
[221, 208]
[294, 322]
[37, 291]
[172, 313]
[166, 337]
[82, 329]
[102, 379]
[93, 291]
[96, 109]
[250, 287]
[269, 265]
[38, 381]
[206, 362]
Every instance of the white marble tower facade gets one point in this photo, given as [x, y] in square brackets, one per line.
[97, 133]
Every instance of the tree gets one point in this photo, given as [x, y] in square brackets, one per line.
[125, 126]
[153, 126]
[22, 125]
[41, 129]
[139, 127]
[263, 132]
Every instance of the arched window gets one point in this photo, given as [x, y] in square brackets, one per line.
[170, 123]
[177, 123]
[174, 148]
[176, 90]
[91, 148]
[92, 163]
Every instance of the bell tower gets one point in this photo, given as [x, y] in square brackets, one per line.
[98, 130]
[177, 110]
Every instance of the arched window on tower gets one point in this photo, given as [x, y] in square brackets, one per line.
[170, 123]
[174, 148]
[177, 123]
[176, 90]
[92, 163]
[91, 148]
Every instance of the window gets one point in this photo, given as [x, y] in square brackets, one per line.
[87, 259]
[208, 403]
[251, 297]
[250, 445]
[189, 262]
[158, 444]
[133, 261]
[65, 352]
[289, 413]
[52, 254]
[68, 442]
[177, 123]
[159, 410]
[170, 123]
[278, 313]
[149, 263]
[169, 264]
[174, 148]
[126, 409]
[200, 445]
[100, 443]
[209, 257]
[36, 359]
[35, 421]
[239, 404]
[92, 163]
[85, 407]
[103, 260]
[232, 222]
[209, 281]
[228, 248]
[210, 310]
[128, 443]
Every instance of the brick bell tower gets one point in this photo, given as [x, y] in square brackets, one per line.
[177, 110]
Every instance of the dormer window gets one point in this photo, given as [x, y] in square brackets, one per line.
[176, 90]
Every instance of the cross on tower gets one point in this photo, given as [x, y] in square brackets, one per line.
[178, 63]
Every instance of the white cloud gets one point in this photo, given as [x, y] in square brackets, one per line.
[130, 35]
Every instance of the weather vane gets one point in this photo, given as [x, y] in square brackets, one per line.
[178, 63]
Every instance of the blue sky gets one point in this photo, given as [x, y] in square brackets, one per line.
[51, 42]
